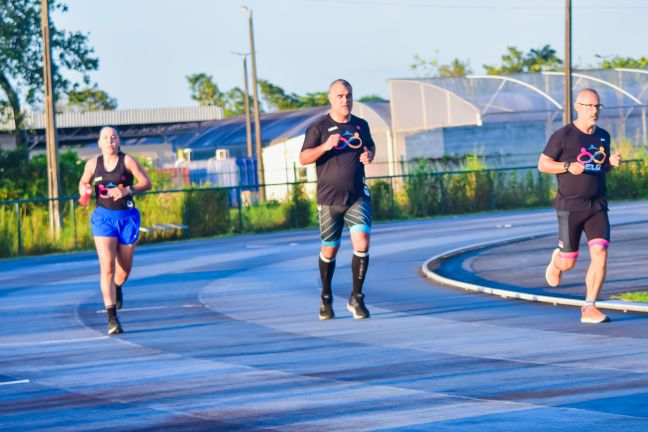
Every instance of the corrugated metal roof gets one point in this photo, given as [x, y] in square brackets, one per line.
[121, 117]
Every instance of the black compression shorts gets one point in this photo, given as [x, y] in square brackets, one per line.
[571, 224]
[332, 219]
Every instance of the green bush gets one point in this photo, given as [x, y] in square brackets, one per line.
[424, 193]
[383, 203]
[515, 189]
[207, 212]
[8, 231]
[299, 211]
[23, 178]
[629, 181]
[268, 216]
[163, 209]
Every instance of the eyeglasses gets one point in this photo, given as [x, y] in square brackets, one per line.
[598, 107]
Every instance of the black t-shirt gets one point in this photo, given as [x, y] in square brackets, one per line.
[340, 174]
[587, 190]
[104, 180]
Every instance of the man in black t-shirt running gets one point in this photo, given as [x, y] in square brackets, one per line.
[340, 145]
[579, 154]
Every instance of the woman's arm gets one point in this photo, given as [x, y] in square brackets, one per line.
[143, 180]
[86, 177]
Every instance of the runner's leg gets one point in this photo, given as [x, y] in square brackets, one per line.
[359, 218]
[106, 251]
[597, 229]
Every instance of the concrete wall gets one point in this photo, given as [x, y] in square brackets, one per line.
[515, 139]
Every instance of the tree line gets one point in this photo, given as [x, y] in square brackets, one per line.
[516, 61]
[21, 80]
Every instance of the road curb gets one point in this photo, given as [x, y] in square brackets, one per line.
[428, 269]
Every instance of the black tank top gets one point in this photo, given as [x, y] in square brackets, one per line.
[104, 180]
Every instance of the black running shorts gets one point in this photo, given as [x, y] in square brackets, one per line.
[571, 224]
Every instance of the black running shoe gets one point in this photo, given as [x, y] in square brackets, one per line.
[120, 297]
[326, 308]
[114, 326]
[357, 307]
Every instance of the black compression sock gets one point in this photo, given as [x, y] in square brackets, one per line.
[359, 265]
[326, 267]
[114, 326]
[119, 295]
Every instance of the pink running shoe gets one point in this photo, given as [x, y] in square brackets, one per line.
[591, 315]
[551, 278]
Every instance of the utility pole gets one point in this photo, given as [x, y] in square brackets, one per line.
[53, 177]
[248, 122]
[257, 117]
[567, 113]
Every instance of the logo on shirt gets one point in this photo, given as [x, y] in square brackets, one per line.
[352, 140]
[103, 189]
[332, 128]
[592, 158]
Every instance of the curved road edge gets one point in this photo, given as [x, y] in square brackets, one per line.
[428, 269]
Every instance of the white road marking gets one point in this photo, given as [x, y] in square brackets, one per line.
[103, 311]
[24, 381]
[51, 342]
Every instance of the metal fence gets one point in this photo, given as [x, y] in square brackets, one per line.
[202, 212]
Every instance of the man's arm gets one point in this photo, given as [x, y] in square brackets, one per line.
[367, 156]
[310, 155]
[615, 160]
[369, 149]
[551, 166]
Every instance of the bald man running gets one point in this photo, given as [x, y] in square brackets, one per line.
[579, 154]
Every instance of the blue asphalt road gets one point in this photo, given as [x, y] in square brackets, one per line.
[223, 334]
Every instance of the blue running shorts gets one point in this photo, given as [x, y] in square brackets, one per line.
[122, 224]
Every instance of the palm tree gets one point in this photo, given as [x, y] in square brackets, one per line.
[512, 62]
[542, 59]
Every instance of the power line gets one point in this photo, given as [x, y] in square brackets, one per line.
[480, 6]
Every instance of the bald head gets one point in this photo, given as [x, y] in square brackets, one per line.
[588, 106]
[588, 93]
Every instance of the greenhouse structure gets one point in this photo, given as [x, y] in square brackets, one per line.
[506, 117]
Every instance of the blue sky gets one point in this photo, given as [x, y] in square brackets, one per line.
[147, 47]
